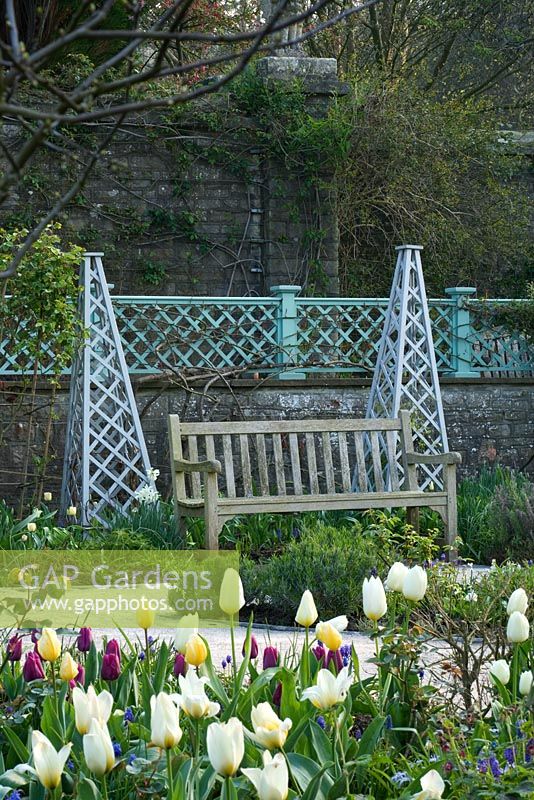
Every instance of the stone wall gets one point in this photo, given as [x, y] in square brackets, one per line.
[488, 421]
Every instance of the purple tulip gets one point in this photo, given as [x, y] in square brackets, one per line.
[14, 649]
[180, 665]
[33, 668]
[319, 652]
[277, 695]
[35, 635]
[334, 657]
[113, 648]
[80, 677]
[254, 649]
[111, 667]
[85, 640]
[270, 657]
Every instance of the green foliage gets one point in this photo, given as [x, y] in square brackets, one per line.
[513, 316]
[496, 516]
[42, 310]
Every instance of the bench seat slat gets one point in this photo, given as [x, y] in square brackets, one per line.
[360, 462]
[377, 463]
[391, 440]
[245, 465]
[295, 463]
[262, 464]
[312, 463]
[279, 464]
[289, 426]
[229, 465]
[344, 460]
[328, 462]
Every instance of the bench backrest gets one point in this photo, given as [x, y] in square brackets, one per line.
[293, 457]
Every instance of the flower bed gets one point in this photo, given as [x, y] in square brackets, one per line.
[159, 719]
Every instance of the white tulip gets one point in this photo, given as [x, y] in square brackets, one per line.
[90, 706]
[329, 632]
[231, 597]
[193, 699]
[396, 575]
[307, 612]
[500, 670]
[432, 785]
[518, 601]
[374, 599]
[329, 690]
[518, 628]
[271, 782]
[269, 729]
[165, 728]
[226, 746]
[187, 626]
[49, 764]
[525, 682]
[415, 583]
[98, 749]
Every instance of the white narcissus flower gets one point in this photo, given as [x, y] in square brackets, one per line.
[165, 728]
[193, 699]
[48, 763]
[271, 782]
[307, 612]
[518, 601]
[415, 584]
[98, 749]
[518, 628]
[396, 575]
[187, 626]
[269, 729]
[329, 632]
[432, 785]
[500, 670]
[525, 682]
[329, 690]
[374, 599]
[226, 746]
[231, 597]
[91, 706]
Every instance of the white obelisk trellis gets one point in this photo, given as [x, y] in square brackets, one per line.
[106, 460]
[405, 374]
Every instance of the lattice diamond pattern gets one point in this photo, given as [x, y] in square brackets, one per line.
[106, 461]
[406, 373]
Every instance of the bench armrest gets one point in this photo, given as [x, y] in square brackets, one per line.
[438, 458]
[181, 465]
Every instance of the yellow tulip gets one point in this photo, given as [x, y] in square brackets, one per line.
[231, 597]
[196, 651]
[330, 632]
[68, 669]
[49, 646]
[145, 618]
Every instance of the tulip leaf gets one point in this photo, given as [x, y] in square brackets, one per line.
[321, 742]
[87, 790]
[13, 778]
[367, 746]
[160, 672]
[216, 684]
[20, 749]
[37, 791]
[289, 705]
[207, 782]
[91, 665]
[303, 770]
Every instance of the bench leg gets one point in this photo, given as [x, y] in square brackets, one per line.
[211, 515]
[412, 517]
[181, 527]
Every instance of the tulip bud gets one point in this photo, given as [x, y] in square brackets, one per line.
[187, 625]
[330, 632]
[415, 584]
[518, 628]
[71, 511]
[307, 612]
[113, 648]
[180, 665]
[49, 646]
[271, 782]
[525, 682]
[111, 667]
[374, 599]
[80, 677]
[254, 649]
[226, 746]
[231, 597]
[270, 657]
[277, 695]
[49, 764]
[396, 575]
[165, 726]
[14, 649]
[319, 652]
[269, 730]
[31, 527]
[336, 659]
[500, 670]
[47, 497]
[145, 617]
[33, 668]
[98, 749]
[68, 669]
[84, 640]
[518, 601]
[196, 651]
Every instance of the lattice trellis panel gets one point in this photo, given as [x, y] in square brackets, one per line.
[106, 460]
[496, 351]
[405, 374]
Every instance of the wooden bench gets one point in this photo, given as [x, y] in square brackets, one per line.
[224, 469]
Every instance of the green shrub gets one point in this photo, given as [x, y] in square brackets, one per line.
[496, 516]
[329, 561]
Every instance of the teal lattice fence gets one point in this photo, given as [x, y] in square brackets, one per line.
[289, 335]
